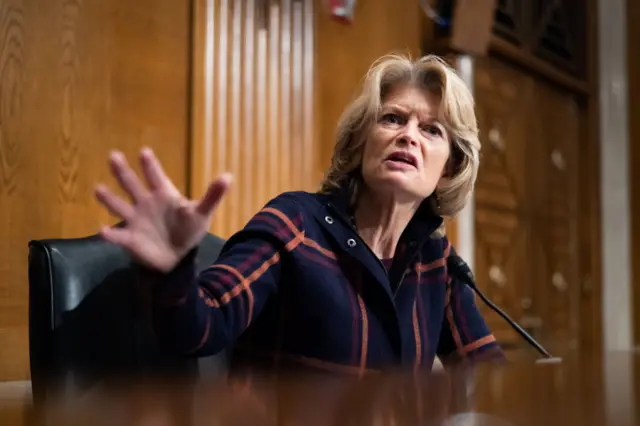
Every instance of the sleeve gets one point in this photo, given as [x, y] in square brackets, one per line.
[201, 315]
[465, 333]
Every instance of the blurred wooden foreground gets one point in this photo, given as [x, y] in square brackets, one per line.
[581, 390]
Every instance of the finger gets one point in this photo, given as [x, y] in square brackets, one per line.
[214, 194]
[153, 171]
[116, 205]
[118, 236]
[125, 176]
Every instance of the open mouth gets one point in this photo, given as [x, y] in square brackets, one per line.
[403, 157]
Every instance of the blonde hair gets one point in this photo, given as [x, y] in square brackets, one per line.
[456, 114]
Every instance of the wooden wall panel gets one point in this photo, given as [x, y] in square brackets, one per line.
[254, 103]
[590, 207]
[503, 234]
[538, 248]
[557, 290]
[78, 79]
[633, 73]
[271, 79]
[347, 51]
[527, 201]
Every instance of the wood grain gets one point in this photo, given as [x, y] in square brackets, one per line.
[78, 79]
[11, 92]
[538, 250]
[271, 120]
[254, 103]
[527, 201]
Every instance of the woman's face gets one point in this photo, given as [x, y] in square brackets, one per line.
[407, 149]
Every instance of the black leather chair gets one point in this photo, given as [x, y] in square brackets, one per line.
[87, 318]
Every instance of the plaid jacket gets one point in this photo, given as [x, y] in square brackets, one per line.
[297, 284]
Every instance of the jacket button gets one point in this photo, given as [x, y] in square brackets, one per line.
[351, 242]
[328, 219]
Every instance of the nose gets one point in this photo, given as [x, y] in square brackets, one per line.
[409, 133]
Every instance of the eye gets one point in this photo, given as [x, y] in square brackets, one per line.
[391, 118]
[432, 129]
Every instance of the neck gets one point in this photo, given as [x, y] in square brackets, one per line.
[381, 221]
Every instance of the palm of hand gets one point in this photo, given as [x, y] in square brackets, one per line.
[160, 226]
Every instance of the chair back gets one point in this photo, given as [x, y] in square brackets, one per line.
[87, 319]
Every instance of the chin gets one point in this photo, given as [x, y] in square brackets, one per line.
[398, 186]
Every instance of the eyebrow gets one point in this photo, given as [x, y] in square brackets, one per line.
[433, 119]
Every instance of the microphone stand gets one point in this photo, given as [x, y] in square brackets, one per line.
[547, 357]
[456, 264]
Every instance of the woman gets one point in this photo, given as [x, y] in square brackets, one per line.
[348, 279]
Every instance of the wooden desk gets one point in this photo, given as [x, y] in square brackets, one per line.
[582, 390]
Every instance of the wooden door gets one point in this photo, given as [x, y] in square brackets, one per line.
[526, 201]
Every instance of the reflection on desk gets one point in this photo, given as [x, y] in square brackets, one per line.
[582, 390]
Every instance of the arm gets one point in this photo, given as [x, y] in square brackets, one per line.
[202, 315]
[464, 334]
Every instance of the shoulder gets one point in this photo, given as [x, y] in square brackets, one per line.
[280, 222]
[287, 210]
[299, 199]
[294, 203]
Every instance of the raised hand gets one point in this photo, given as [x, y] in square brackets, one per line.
[161, 225]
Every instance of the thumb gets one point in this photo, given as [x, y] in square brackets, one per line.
[214, 194]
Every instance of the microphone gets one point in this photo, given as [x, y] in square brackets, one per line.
[459, 268]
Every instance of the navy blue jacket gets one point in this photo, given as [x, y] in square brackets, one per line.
[298, 285]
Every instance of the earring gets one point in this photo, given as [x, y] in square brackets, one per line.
[436, 202]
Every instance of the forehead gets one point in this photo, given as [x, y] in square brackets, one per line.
[413, 99]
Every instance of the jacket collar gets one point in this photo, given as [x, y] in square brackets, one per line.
[420, 228]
